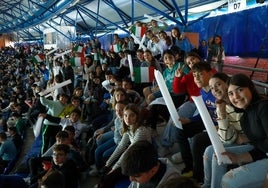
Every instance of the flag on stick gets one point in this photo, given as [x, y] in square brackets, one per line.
[39, 58]
[116, 48]
[79, 49]
[138, 31]
[77, 61]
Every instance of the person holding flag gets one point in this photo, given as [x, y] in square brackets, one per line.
[68, 73]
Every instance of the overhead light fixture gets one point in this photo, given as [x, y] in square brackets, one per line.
[30, 13]
[63, 11]
[36, 7]
[74, 3]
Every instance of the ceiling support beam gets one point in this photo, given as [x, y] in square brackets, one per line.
[72, 22]
[97, 20]
[167, 5]
[186, 11]
[88, 27]
[159, 12]
[179, 12]
[119, 12]
[132, 12]
[59, 31]
[86, 9]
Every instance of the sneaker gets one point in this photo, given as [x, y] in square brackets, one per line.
[93, 166]
[176, 158]
[93, 172]
[27, 180]
[187, 173]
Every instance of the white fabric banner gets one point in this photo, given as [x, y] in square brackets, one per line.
[168, 100]
[212, 132]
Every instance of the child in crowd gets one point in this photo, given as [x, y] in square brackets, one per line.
[8, 151]
[252, 163]
[50, 129]
[72, 120]
[108, 141]
[182, 84]
[140, 162]
[229, 128]
[133, 131]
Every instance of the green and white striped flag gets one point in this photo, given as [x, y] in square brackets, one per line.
[143, 74]
[138, 31]
[116, 48]
[79, 49]
[77, 61]
[38, 58]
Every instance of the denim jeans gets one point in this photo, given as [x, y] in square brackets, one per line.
[187, 109]
[106, 146]
[212, 170]
[78, 81]
[105, 136]
[251, 175]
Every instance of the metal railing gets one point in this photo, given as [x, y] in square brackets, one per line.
[261, 86]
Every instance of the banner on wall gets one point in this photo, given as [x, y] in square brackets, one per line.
[236, 5]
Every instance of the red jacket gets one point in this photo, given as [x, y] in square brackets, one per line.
[185, 84]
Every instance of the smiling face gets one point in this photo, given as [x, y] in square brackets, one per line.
[140, 56]
[191, 60]
[218, 88]
[169, 60]
[240, 97]
[130, 118]
[175, 33]
[147, 57]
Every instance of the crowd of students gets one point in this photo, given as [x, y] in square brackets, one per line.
[102, 104]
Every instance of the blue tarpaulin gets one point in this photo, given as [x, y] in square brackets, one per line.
[243, 33]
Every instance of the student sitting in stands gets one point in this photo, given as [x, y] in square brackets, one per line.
[140, 162]
[20, 123]
[72, 120]
[133, 95]
[53, 179]
[16, 138]
[108, 141]
[50, 129]
[63, 164]
[35, 164]
[8, 151]
[133, 131]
